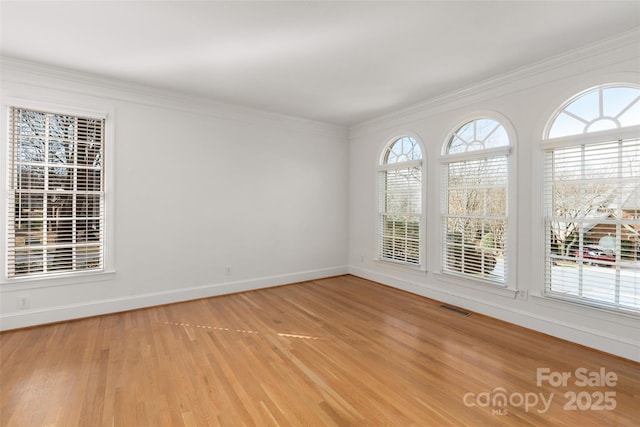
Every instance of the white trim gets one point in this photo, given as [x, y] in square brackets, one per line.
[76, 109]
[508, 151]
[399, 265]
[475, 155]
[74, 82]
[562, 107]
[54, 107]
[384, 167]
[631, 132]
[610, 138]
[609, 51]
[570, 86]
[594, 310]
[471, 282]
[24, 283]
[393, 138]
[26, 318]
[467, 118]
[409, 164]
[571, 331]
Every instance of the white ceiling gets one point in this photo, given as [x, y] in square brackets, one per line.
[339, 62]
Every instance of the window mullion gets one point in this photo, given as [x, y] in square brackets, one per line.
[601, 103]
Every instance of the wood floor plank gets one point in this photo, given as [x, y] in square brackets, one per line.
[340, 351]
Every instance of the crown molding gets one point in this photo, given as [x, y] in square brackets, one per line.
[610, 51]
[20, 71]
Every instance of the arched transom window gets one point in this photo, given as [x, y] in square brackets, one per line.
[479, 134]
[603, 108]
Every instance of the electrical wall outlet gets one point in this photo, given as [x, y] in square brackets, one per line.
[227, 270]
[24, 302]
[522, 295]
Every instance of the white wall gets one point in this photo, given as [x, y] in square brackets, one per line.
[198, 187]
[526, 98]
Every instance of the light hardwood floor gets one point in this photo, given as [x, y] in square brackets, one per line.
[341, 351]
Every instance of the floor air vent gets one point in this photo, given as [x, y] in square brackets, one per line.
[456, 310]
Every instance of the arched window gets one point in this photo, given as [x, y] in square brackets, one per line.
[592, 199]
[400, 202]
[602, 108]
[475, 201]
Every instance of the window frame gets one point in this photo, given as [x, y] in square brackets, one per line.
[380, 197]
[65, 277]
[508, 281]
[549, 145]
[546, 139]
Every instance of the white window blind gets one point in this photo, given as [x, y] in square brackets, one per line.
[400, 203]
[592, 199]
[56, 193]
[474, 206]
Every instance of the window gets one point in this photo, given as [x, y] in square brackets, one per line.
[475, 201]
[592, 199]
[400, 202]
[56, 203]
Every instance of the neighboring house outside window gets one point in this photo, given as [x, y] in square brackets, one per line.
[592, 199]
[56, 188]
[475, 201]
[400, 202]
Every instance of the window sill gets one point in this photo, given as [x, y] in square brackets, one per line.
[584, 309]
[478, 285]
[400, 266]
[63, 279]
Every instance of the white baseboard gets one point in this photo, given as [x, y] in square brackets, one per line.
[621, 346]
[26, 318]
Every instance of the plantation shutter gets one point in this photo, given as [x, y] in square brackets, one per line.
[592, 205]
[56, 192]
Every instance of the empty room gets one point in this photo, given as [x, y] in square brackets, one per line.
[319, 213]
